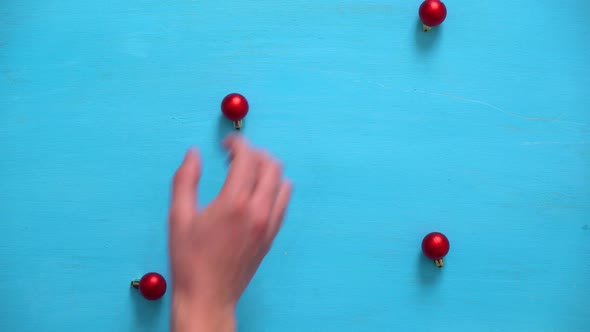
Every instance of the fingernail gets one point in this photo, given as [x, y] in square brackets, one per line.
[190, 152]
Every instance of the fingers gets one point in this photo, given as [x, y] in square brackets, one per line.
[268, 183]
[184, 188]
[255, 186]
[241, 178]
[280, 207]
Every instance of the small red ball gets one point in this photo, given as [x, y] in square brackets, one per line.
[435, 245]
[152, 286]
[432, 12]
[234, 106]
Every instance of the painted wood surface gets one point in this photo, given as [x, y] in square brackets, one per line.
[479, 129]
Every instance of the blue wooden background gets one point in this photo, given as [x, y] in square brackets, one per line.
[479, 129]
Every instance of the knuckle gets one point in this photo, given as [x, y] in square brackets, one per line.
[176, 216]
[176, 178]
[271, 163]
[260, 155]
[278, 167]
[173, 215]
[239, 205]
[272, 160]
[260, 221]
[179, 176]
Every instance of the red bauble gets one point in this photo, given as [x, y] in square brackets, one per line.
[235, 107]
[432, 13]
[436, 246]
[152, 285]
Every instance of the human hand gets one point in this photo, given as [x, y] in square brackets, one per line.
[216, 251]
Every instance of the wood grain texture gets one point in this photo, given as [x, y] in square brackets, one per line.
[479, 129]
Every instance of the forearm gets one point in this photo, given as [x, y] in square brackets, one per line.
[193, 316]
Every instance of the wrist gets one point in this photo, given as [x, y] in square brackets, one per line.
[196, 315]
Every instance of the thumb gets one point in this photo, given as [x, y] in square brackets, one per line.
[184, 188]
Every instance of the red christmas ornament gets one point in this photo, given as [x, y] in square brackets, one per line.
[235, 107]
[432, 13]
[436, 246]
[152, 285]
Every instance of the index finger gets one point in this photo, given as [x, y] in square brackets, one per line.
[183, 204]
[243, 166]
